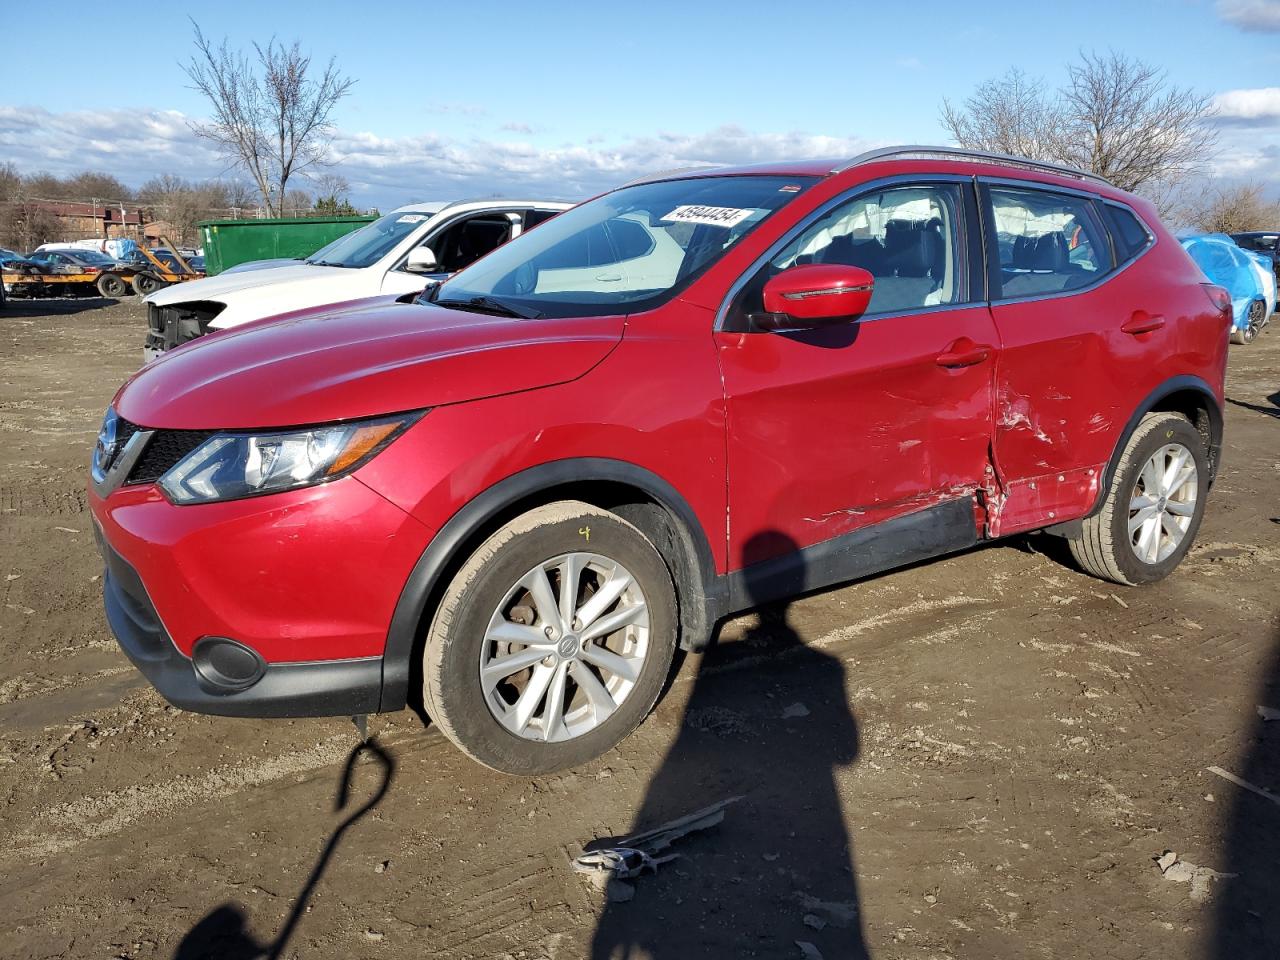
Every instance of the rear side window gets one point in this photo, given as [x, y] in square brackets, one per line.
[1127, 233]
[1048, 242]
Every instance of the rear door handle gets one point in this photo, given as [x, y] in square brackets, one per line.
[964, 353]
[1142, 322]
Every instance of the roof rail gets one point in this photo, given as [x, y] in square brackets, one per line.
[959, 153]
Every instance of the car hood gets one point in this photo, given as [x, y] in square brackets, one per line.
[371, 360]
[224, 284]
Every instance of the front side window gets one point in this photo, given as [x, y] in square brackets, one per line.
[627, 251]
[906, 237]
[466, 241]
[371, 242]
[1048, 242]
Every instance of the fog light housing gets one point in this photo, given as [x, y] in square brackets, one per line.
[226, 666]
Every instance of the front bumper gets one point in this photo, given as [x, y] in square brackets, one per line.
[307, 689]
[306, 581]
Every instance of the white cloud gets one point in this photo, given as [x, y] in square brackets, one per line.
[1259, 107]
[1258, 16]
[386, 171]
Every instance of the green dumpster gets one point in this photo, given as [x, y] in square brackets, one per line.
[229, 242]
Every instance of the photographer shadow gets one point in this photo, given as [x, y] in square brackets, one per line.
[223, 933]
[769, 720]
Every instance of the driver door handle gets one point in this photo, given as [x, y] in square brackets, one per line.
[964, 353]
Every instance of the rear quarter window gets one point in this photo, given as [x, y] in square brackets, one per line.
[1128, 233]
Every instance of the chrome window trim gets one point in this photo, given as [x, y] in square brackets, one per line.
[847, 196]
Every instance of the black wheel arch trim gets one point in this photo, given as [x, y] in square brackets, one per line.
[1171, 386]
[699, 591]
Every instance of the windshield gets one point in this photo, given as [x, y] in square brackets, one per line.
[624, 252]
[371, 242]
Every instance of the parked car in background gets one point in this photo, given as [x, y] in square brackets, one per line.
[1265, 242]
[113, 277]
[398, 253]
[1246, 276]
[15, 262]
[696, 394]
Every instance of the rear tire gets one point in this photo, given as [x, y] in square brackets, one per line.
[1149, 520]
[112, 286]
[528, 687]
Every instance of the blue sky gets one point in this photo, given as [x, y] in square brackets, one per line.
[566, 98]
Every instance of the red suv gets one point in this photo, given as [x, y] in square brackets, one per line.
[695, 394]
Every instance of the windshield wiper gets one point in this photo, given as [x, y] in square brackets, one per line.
[325, 263]
[491, 305]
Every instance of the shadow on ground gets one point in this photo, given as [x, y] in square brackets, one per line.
[54, 307]
[779, 869]
[224, 934]
[1247, 925]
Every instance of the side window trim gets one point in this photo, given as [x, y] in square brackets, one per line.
[1090, 200]
[964, 235]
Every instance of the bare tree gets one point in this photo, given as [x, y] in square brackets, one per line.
[270, 114]
[1231, 208]
[1116, 116]
[1012, 114]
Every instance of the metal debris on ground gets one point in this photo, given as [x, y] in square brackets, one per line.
[808, 951]
[796, 709]
[1245, 784]
[1180, 871]
[1268, 713]
[631, 856]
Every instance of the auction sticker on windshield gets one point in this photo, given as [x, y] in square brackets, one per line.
[711, 216]
[412, 218]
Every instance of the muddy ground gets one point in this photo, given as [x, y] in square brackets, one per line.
[978, 757]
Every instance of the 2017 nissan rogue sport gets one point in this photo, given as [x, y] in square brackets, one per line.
[676, 401]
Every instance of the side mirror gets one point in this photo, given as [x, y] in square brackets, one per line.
[815, 295]
[421, 260]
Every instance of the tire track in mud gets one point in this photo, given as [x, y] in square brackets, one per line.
[66, 826]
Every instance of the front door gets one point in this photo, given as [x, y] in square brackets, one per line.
[834, 430]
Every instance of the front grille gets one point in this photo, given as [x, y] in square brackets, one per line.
[163, 450]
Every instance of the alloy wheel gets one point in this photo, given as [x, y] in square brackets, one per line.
[565, 647]
[1163, 503]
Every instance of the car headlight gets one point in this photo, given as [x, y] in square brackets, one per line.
[229, 466]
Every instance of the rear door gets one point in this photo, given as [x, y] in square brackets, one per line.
[1085, 336]
[835, 430]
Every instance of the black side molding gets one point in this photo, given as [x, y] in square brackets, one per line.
[936, 530]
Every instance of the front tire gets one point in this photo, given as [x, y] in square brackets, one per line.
[1153, 507]
[552, 642]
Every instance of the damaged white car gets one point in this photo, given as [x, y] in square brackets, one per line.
[396, 254]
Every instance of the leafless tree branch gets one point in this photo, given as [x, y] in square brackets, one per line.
[270, 113]
[1116, 116]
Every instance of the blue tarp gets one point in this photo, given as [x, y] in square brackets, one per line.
[1246, 276]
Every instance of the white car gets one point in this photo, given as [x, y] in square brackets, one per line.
[396, 254]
